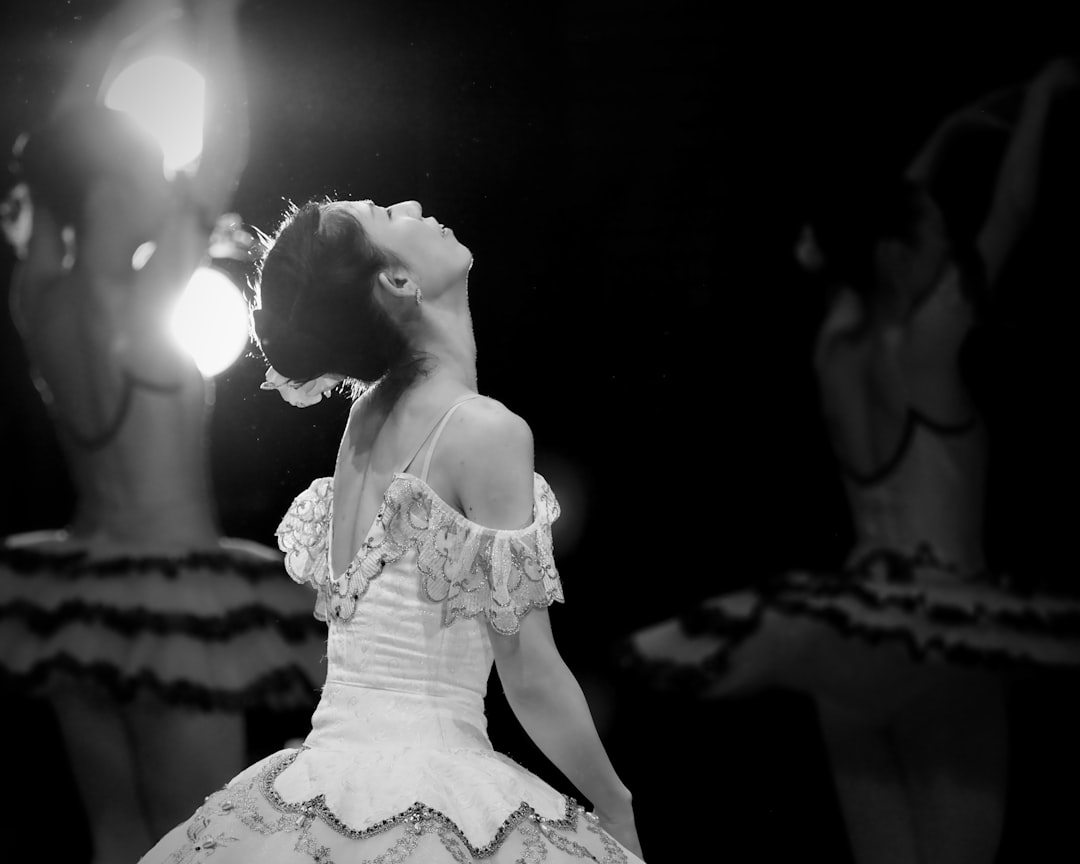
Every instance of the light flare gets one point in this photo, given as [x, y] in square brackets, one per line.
[167, 97]
[210, 321]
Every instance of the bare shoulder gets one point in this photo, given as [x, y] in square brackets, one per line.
[484, 423]
[490, 460]
[487, 438]
[840, 325]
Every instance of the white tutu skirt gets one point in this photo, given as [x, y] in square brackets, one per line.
[898, 606]
[218, 628]
[388, 804]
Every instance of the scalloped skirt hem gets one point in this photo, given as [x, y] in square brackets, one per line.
[249, 820]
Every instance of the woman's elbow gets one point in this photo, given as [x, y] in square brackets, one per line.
[533, 681]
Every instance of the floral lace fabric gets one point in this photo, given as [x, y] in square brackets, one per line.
[469, 569]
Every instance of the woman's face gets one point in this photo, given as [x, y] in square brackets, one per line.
[426, 248]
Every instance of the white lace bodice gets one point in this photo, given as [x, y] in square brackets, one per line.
[398, 765]
[409, 651]
[467, 569]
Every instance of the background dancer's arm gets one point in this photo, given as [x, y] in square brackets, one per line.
[996, 110]
[1025, 110]
[42, 248]
[1017, 185]
[225, 129]
[182, 244]
[100, 54]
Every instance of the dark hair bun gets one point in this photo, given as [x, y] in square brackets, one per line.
[807, 251]
[61, 160]
[853, 218]
[317, 313]
[292, 352]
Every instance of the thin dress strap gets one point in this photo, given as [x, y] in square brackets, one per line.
[433, 435]
[438, 431]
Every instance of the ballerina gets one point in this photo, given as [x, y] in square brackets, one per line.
[149, 633]
[901, 650]
[431, 556]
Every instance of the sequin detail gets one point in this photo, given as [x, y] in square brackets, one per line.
[468, 569]
[418, 818]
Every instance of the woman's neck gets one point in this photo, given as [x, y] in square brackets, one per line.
[450, 344]
[453, 367]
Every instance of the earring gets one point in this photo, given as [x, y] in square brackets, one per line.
[419, 296]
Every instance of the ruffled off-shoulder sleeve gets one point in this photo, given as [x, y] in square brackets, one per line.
[302, 536]
[472, 570]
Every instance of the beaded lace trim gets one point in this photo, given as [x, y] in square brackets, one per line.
[467, 568]
[419, 817]
[213, 826]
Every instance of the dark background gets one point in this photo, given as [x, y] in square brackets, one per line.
[630, 178]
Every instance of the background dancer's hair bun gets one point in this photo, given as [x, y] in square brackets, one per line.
[61, 160]
[808, 252]
[842, 235]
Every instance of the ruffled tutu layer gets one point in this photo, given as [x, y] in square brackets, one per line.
[212, 628]
[332, 806]
[924, 614]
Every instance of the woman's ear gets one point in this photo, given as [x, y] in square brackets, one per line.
[397, 284]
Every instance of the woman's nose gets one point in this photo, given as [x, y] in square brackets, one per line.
[413, 208]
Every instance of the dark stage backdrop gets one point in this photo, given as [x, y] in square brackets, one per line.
[630, 178]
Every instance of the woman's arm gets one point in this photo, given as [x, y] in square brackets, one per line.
[122, 32]
[995, 110]
[42, 244]
[550, 705]
[96, 62]
[225, 125]
[494, 484]
[1017, 183]
[183, 242]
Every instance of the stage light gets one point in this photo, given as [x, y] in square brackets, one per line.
[167, 98]
[210, 321]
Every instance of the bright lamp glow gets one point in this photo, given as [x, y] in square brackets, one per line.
[166, 97]
[211, 321]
